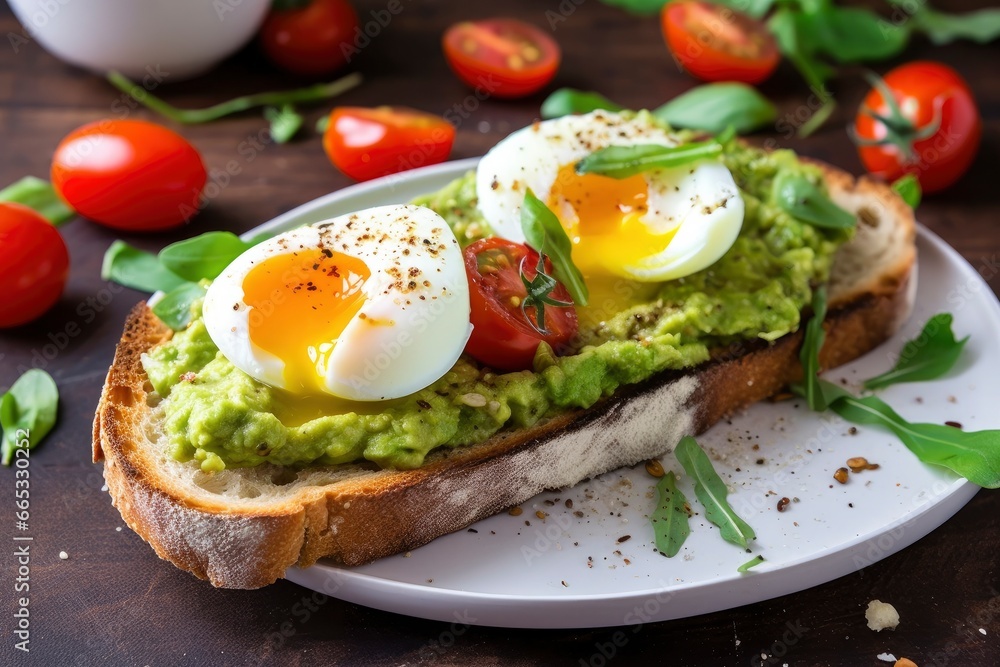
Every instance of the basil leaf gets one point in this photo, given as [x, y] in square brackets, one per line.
[803, 200]
[714, 107]
[812, 343]
[753, 562]
[852, 35]
[204, 256]
[797, 38]
[927, 357]
[322, 124]
[908, 187]
[285, 122]
[670, 519]
[712, 492]
[137, 269]
[625, 161]
[27, 412]
[39, 196]
[567, 101]
[973, 455]
[545, 233]
[637, 6]
[979, 26]
[174, 309]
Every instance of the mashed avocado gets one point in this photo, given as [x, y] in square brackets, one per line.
[216, 414]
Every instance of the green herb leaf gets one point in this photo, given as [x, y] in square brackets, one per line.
[908, 187]
[712, 493]
[927, 357]
[27, 412]
[39, 196]
[545, 234]
[753, 562]
[853, 35]
[812, 343]
[670, 519]
[979, 26]
[137, 269]
[174, 309]
[803, 200]
[285, 122]
[322, 124]
[714, 107]
[972, 455]
[316, 93]
[204, 256]
[797, 38]
[625, 161]
[567, 101]
[637, 6]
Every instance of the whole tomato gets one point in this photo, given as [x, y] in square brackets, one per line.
[129, 174]
[921, 119]
[34, 268]
[312, 37]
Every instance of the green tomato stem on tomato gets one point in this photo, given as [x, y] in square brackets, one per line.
[317, 93]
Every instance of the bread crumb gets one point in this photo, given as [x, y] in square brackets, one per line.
[886, 657]
[905, 662]
[881, 615]
[119, 529]
[982, 631]
[63, 555]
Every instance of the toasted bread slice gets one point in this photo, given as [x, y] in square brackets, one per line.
[241, 528]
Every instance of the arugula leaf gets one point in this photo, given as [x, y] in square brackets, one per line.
[203, 256]
[930, 355]
[625, 161]
[711, 491]
[174, 309]
[137, 269]
[812, 343]
[39, 196]
[670, 519]
[545, 233]
[980, 26]
[973, 455]
[568, 101]
[753, 562]
[285, 122]
[908, 187]
[803, 200]
[713, 107]
[27, 412]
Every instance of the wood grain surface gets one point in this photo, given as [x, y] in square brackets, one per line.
[113, 602]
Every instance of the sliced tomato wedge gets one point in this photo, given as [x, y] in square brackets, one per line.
[367, 143]
[716, 43]
[505, 335]
[502, 57]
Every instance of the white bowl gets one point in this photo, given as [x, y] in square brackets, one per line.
[165, 40]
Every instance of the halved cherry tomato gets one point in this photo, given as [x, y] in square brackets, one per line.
[503, 336]
[129, 174]
[501, 57]
[716, 43]
[368, 143]
[934, 136]
[312, 37]
[35, 265]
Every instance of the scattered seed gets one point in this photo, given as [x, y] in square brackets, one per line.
[953, 424]
[782, 504]
[515, 511]
[624, 538]
[654, 468]
[473, 400]
[541, 515]
[841, 475]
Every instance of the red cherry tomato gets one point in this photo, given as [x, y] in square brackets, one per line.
[313, 39]
[503, 337]
[368, 143]
[936, 133]
[34, 268]
[129, 174]
[716, 43]
[502, 57]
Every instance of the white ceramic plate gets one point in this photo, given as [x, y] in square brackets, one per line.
[576, 568]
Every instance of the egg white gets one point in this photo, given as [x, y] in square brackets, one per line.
[423, 325]
[700, 201]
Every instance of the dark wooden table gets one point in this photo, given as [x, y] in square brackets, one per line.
[113, 602]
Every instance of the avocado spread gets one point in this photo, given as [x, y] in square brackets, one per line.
[217, 415]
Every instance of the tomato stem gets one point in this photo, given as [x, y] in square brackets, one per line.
[539, 295]
[316, 93]
[900, 131]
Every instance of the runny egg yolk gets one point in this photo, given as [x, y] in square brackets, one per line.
[302, 302]
[603, 218]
